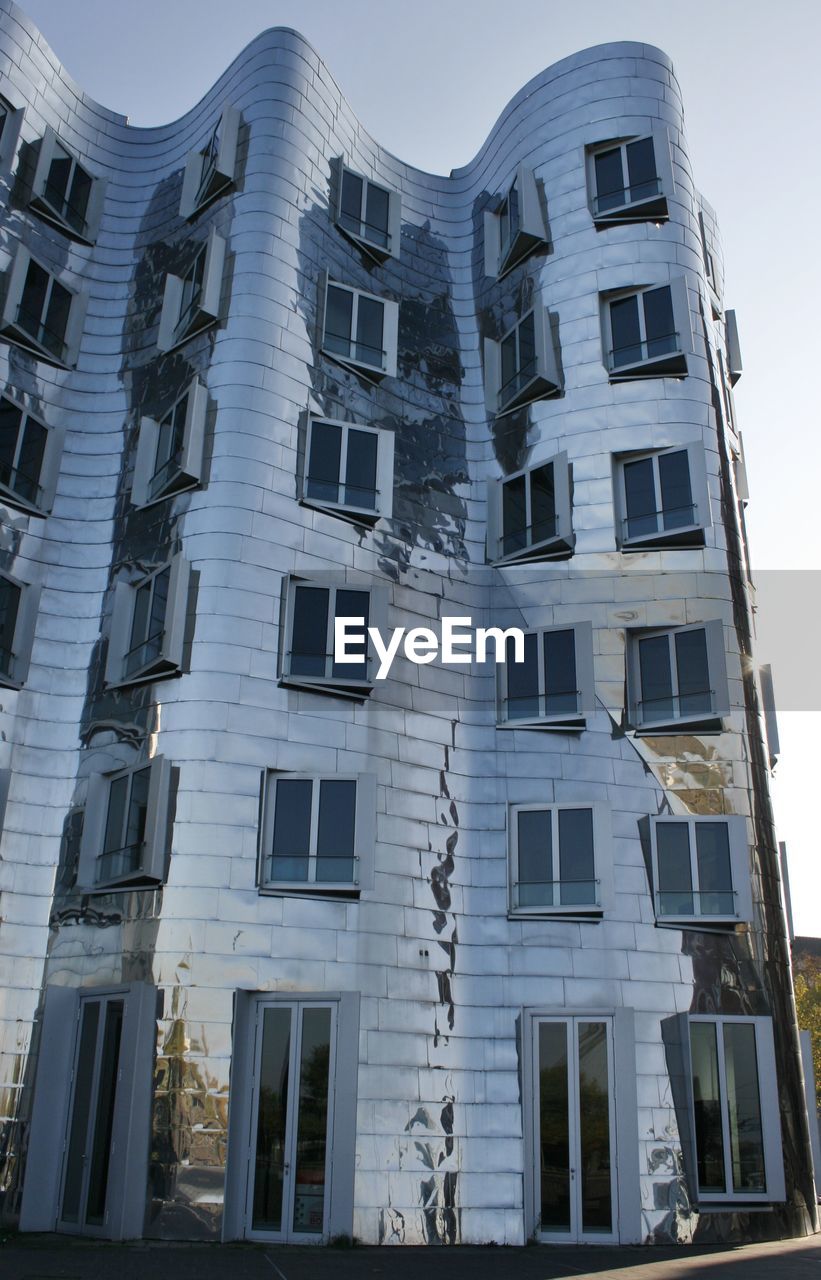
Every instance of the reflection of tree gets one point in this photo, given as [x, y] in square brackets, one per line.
[313, 1115]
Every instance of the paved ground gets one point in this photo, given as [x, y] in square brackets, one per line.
[65, 1258]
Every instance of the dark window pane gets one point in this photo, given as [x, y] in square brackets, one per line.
[159, 608]
[335, 845]
[104, 1114]
[33, 301]
[625, 332]
[377, 211]
[10, 420]
[26, 479]
[369, 332]
[509, 220]
[272, 1111]
[324, 461]
[309, 633]
[656, 679]
[509, 365]
[312, 1122]
[554, 1121]
[576, 868]
[9, 606]
[523, 680]
[55, 322]
[115, 819]
[693, 674]
[715, 877]
[610, 193]
[744, 1107]
[351, 204]
[675, 886]
[542, 504]
[353, 604]
[707, 1107]
[57, 181]
[292, 829]
[338, 313]
[514, 515]
[640, 498]
[527, 349]
[659, 323]
[594, 1129]
[137, 812]
[80, 1112]
[139, 627]
[360, 470]
[535, 855]
[170, 440]
[77, 203]
[641, 169]
[560, 686]
[676, 494]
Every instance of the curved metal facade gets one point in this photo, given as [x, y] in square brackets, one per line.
[449, 978]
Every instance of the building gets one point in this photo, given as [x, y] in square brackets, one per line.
[293, 952]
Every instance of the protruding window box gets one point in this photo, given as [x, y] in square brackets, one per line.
[662, 498]
[348, 470]
[516, 228]
[307, 657]
[64, 193]
[148, 625]
[29, 459]
[40, 313]
[369, 214]
[734, 362]
[630, 179]
[317, 834]
[19, 603]
[192, 302]
[701, 871]
[359, 330]
[529, 513]
[677, 679]
[522, 367]
[170, 450]
[211, 171]
[647, 332]
[125, 828]
[553, 688]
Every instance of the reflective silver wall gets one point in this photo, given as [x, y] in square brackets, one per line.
[445, 972]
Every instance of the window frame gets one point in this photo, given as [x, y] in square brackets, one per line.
[364, 834]
[706, 722]
[168, 661]
[649, 209]
[152, 868]
[175, 327]
[739, 854]
[10, 322]
[28, 605]
[49, 468]
[563, 722]
[531, 233]
[384, 472]
[546, 379]
[201, 186]
[602, 862]
[692, 534]
[342, 686]
[390, 330]
[40, 203]
[561, 542]
[188, 472]
[669, 364]
[379, 253]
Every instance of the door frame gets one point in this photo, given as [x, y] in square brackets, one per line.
[625, 1154]
[341, 1111]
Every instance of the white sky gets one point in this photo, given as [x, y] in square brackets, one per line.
[429, 77]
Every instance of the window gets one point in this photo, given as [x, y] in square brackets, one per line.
[647, 332]
[209, 172]
[64, 192]
[349, 469]
[368, 214]
[170, 450]
[662, 498]
[709, 263]
[553, 687]
[529, 513]
[701, 873]
[10, 121]
[29, 459]
[148, 625]
[734, 362]
[735, 1116]
[556, 852]
[359, 330]
[517, 227]
[125, 828]
[630, 179]
[678, 678]
[317, 833]
[191, 302]
[19, 603]
[522, 367]
[307, 658]
[40, 313]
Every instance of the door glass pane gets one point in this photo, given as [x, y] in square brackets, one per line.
[542, 504]
[707, 1107]
[609, 181]
[377, 208]
[554, 1128]
[104, 1114]
[659, 322]
[292, 829]
[360, 470]
[338, 314]
[560, 694]
[324, 462]
[576, 868]
[312, 1122]
[641, 169]
[369, 332]
[514, 516]
[640, 498]
[693, 675]
[656, 679]
[309, 633]
[594, 1129]
[534, 886]
[523, 680]
[272, 1103]
[353, 604]
[675, 886]
[744, 1106]
[625, 332]
[676, 493]
[80, 1111]
[335, 844]
[715, 877]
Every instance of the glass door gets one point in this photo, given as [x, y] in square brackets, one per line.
[289, 1163]
[88, 1148]
[575, 1182]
